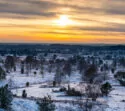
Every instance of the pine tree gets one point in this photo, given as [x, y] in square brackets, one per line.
[5, 98]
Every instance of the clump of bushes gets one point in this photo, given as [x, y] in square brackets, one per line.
[73, 92]
[120, 76]
[122, 82]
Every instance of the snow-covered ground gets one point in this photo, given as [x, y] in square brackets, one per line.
[24, 105]
[20, 80]
[114, 100]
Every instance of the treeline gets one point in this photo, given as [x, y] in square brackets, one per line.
[34, 49]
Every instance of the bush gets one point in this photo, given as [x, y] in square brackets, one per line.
[63, 89]
[120, 76]
[122, 82]
[35, 72]
[46, 104]
[106, 88]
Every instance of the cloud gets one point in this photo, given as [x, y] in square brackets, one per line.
[99, 16]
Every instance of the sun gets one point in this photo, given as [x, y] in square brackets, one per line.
[63, 20]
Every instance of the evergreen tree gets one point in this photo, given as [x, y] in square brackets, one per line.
[5, 98]
[2, 74]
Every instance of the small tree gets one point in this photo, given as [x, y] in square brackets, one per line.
[27, 84]
[46, 104]
[5, 98]
[35, 73]
[22, 70]
[22, 67]
[106, 88]
[54, 83]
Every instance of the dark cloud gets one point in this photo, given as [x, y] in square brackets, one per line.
[49, 8]
[28, 8]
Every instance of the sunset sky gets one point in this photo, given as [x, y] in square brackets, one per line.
[62, 21]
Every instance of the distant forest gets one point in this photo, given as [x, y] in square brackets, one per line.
[34, 49]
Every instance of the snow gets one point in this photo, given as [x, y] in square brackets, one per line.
[114, 101]
[38, 92]
[20, 80]
[24, 105]
[3, 83]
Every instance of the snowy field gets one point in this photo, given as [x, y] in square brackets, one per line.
[114, 101]
[41, 85]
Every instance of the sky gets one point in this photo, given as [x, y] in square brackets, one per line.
[62, 21]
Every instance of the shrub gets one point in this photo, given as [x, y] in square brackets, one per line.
[120, 76]
[122, 82]
[35, 72]
[62, 89]
[106, 88]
